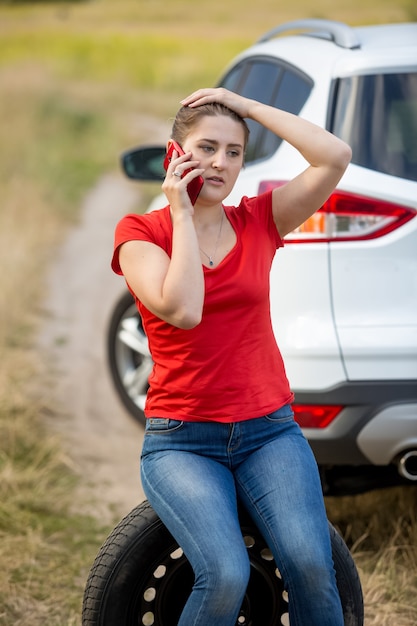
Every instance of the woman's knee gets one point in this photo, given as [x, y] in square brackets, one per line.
[315, 577]
[225, 579]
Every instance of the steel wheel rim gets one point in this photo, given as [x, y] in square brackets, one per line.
[132, 357]
[162, 592]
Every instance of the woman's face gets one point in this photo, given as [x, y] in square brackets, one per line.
[217, 142]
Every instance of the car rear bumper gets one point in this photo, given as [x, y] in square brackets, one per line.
[377, 424]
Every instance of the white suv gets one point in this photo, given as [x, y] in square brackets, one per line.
[344, 288]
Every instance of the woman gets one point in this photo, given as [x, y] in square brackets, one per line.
[220, 425]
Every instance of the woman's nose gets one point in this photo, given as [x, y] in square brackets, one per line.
[219, 160]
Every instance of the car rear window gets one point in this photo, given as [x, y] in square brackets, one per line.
[377, 116]
[271, 82]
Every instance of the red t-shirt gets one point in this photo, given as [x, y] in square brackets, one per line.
[229, 367]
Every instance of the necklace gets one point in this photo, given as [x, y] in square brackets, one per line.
[211, 256]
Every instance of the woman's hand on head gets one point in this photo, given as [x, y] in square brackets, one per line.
[233, 101]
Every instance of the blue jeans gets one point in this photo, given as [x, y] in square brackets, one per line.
[193, 474]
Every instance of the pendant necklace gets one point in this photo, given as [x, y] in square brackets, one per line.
[212, 256]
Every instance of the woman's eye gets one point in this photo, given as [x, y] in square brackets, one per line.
[207, 148]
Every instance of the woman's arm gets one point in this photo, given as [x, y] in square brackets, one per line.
[328, 156]
[172, 288]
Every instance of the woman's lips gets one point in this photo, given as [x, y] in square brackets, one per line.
[217, 180]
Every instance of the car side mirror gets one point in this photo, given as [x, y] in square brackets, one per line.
[145, 163]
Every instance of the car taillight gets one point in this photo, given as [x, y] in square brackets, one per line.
[347, 217]
[315, 415]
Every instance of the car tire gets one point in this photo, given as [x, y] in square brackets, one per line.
[141, 576]
[128, 356]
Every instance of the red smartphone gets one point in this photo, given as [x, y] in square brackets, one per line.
[196, 184]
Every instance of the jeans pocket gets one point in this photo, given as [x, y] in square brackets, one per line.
[161, 425]
[284, 414]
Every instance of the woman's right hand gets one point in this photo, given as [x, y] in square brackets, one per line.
[175, 183]
[172, 287]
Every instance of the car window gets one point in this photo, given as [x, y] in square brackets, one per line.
[292, 94]
[271, 82]
[377, 116]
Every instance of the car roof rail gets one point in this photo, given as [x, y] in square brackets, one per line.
[342, 34]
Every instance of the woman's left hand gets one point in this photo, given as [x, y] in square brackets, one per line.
[327, 155]
[233, 101]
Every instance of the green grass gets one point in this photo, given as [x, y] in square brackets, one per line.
[122, 58]
[75, 79]
[158, 45]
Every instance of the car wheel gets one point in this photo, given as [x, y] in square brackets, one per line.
[141, 576]
[128, 356]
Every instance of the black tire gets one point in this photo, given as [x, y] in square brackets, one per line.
[348, 581]
[141, 577]
[128, 356]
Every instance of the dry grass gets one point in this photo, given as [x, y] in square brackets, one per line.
[74, 78]
[381, 529]
[45, 550]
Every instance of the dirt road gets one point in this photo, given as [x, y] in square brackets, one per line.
[101, 440]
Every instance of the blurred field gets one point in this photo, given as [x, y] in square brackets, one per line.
[75, 77]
